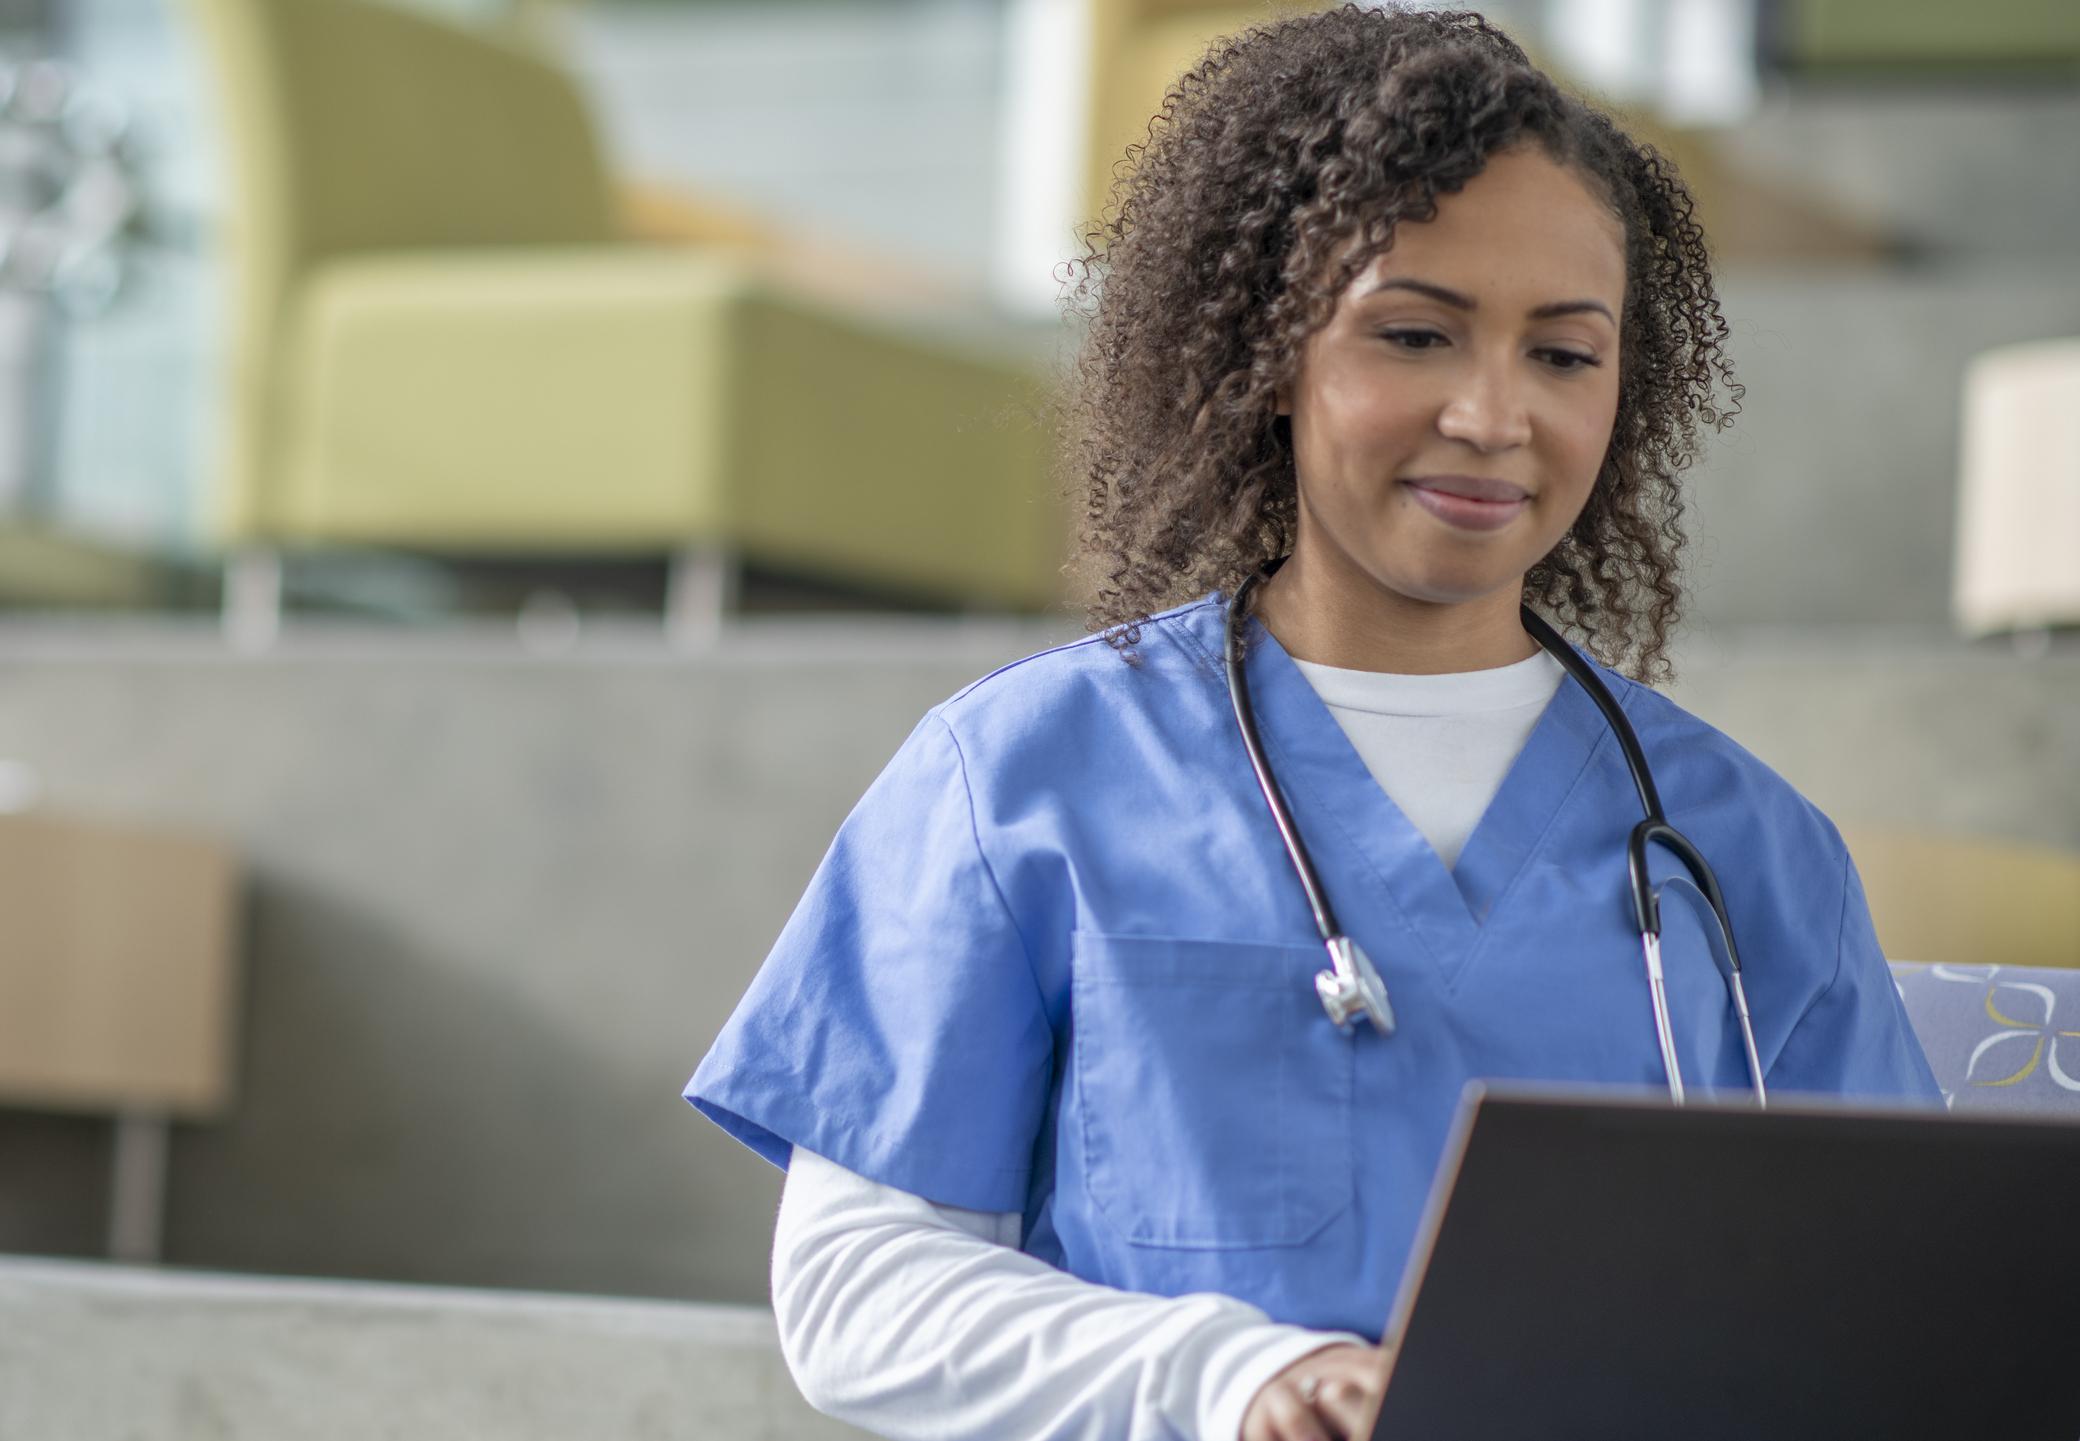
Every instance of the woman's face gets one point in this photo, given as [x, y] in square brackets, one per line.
[1450, 418]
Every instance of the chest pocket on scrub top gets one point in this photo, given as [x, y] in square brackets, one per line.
[1215, 1096]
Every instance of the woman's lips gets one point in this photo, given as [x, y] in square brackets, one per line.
[1449, 504]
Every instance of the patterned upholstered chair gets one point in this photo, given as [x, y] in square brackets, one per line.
[2000, 1038]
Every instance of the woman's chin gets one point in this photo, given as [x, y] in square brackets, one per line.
[1448, 589]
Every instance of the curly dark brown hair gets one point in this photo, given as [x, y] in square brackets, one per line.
[1274, 171]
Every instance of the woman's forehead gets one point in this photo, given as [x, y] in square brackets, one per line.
[1520, 228]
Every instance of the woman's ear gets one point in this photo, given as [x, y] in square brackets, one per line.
[1284, 396]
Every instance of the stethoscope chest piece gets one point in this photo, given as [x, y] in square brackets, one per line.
[1352, 987]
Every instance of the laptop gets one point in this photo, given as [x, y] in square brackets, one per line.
[1607, 1266]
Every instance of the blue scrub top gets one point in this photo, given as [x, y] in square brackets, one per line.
[1057, 962]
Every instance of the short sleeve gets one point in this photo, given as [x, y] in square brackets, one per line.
[896, 1028]
[1855, 1039]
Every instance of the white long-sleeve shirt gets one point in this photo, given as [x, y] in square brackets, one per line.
[924, 1322]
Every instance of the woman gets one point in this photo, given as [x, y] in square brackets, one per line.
[1075, 1149]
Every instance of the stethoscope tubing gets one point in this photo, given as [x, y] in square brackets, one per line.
[1274, 798]
[1654, 829]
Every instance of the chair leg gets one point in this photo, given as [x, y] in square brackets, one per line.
[253, 599]
[137, 1189]
[699, 593]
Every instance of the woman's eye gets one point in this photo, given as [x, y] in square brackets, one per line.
[1411, 339]
[1564, 361]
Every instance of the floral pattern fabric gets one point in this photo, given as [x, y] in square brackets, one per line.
[1999, 1038]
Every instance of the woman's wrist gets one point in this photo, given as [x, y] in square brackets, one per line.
[1326, 1395]
[1276, 1350]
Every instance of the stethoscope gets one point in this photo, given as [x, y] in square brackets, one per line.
[1352, 987]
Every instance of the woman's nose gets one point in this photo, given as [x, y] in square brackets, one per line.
[1486, 407]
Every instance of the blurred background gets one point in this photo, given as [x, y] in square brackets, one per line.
[484, 485]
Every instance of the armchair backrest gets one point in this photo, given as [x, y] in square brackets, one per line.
[355, 127]
[1999, 1038]
[358, 126]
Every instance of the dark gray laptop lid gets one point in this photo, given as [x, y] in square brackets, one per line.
[1606, 1266]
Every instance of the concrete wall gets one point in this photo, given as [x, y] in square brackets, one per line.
[1897, 729]
[1832, 499]
[96, 1353]
[500, 904]
[1966, 167]
[498, 908]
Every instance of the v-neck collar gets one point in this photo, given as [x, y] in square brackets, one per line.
[1360, 837]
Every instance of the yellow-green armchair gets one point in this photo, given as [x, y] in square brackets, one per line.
[444, 340]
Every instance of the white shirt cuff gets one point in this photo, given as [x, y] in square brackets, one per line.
[1259, 1354]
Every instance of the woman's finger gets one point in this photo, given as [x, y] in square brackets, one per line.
[1344, 1404]
[1293, 1419]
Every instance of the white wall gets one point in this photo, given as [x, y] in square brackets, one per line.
[873, 120]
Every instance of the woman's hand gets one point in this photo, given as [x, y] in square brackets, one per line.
[1324, 1396]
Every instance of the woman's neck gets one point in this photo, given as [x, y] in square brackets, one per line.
[1358, 624]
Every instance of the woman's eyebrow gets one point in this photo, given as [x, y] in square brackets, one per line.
[1466, 302]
